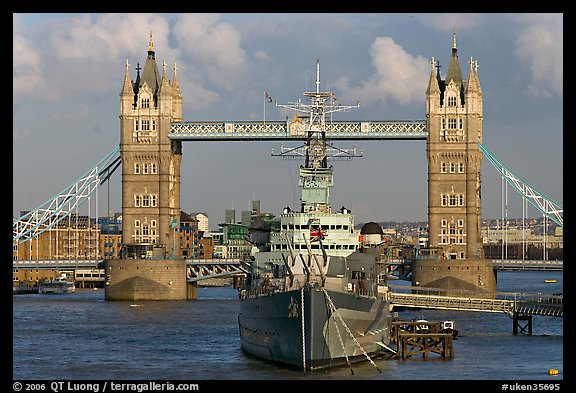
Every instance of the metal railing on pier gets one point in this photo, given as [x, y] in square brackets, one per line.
[510, 303]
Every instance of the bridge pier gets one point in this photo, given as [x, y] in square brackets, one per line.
[468, 274]
[192, 290]
[146, 279]
[518, 327]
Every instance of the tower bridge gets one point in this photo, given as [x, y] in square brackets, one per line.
[152, 130]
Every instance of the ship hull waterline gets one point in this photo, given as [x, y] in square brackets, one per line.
[271, 328]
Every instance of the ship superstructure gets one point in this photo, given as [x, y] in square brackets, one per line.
[315, 219]
[314, 299]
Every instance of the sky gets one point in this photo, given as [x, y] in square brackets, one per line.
[68, 70]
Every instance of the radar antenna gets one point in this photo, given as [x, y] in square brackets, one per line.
[316, 177]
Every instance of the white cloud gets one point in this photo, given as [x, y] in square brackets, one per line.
[75, 55]
[27, 75]
[540, 50]
[450, 22]
[206, 39]
[398, 76]
[213, 52]
[262, 56]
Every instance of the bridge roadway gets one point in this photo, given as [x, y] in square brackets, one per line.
[196, 269]
[510, 303]
[508, 264]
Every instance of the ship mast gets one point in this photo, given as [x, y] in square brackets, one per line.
[316, 176]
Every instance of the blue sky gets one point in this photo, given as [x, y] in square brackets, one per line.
[68, 70]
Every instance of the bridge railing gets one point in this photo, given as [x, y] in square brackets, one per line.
[288, 130]
[507, 302]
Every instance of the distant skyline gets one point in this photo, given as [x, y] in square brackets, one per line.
[68, 70]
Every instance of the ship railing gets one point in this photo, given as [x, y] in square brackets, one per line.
[365, 292]
[254, 293]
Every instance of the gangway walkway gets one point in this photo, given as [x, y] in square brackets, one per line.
[510, 303]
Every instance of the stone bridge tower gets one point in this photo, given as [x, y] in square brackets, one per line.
[454, 120]
[150, 267]
[150, 161]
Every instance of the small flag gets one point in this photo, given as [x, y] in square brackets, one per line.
[268, 96]
[317, 234]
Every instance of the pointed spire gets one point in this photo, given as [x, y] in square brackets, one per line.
[150, 73]
[433, 82]
[473, 81]
[127, 88]
[454, 72]
[175, 85]
[164, 84]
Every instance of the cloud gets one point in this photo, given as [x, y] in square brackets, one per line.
[539, 48]
[450, 22]
[27, 75]
[398, 75]
[205, 38]
[74, 55]
[262, 56]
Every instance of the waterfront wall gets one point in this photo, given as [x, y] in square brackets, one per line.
[468, 274]
[146, 279]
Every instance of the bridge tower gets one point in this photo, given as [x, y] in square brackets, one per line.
[150, 160]
[454, 121]
[150, 266]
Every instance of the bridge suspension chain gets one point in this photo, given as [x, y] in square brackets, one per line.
[62, 205]
[551, 209]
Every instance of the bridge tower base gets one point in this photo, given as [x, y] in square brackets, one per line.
[457, 274]
[146, 279]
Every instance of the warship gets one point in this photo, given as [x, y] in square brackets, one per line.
[314, 297]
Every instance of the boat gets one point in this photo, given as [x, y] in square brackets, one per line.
[313, 297]
[549, 281]
[449, 327]
[57, 285]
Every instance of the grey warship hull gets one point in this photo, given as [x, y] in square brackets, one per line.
[273, 327]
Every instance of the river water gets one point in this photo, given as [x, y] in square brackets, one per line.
[81, 336]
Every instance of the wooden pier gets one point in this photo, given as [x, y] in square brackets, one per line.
[422, 338]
